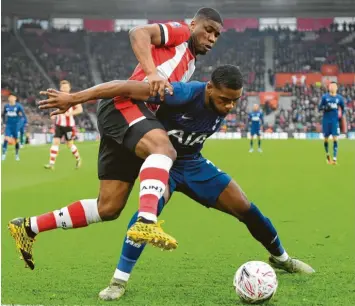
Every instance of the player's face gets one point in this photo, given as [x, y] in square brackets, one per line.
[65, 88]
[333, 88]
[222, 100]
[255, 108]
[204, 34]
[12, 99]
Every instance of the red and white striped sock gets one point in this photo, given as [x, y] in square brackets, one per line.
[77, 214]
[154, 176]
[53, 154]
[75, 152]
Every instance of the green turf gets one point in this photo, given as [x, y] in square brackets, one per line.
[311, 204]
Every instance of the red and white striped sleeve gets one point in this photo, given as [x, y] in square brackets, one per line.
[174, 33]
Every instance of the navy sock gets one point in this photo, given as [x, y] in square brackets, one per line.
[335, 149]
[262, 230]
[251, 143]
[326, 147]
[131, 250]
[22, 139]
[17, 147]
[259, 143]
[4, 147]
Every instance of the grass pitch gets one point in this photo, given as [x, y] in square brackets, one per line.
[310, 203]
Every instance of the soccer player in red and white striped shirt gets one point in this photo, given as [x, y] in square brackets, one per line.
[133, 142]
[64, 125]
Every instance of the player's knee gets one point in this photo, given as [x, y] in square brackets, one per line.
[241, 209]
[155, 142]
[69, 144]
[108, 208]
[56, 141]
[167, 150]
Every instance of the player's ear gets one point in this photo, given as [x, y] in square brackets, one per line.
[209, 88]
[192, 24]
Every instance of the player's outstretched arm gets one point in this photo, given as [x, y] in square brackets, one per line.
[63, 101]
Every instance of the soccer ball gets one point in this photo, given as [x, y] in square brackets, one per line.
[255, 282]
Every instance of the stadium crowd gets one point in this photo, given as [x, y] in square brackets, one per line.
[63, 55]
[303, 116]
[296, 52]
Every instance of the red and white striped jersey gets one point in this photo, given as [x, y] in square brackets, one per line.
[66, 119]
[173, 59]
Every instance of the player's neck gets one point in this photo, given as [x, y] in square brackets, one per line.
[333, 94]
[191, 46]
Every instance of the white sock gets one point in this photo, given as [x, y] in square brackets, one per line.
[121, 275]
[53, 154]
[282, 257]
[75, 152]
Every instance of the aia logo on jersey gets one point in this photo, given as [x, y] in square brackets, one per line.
[175, 24]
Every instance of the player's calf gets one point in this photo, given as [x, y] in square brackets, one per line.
[73, 148]
[335, 150]
[52, 156]
[76, 215]
[154, 177]
[4, 148]
[131, 252]
[159, 155]
[234, 202]
[112, 198]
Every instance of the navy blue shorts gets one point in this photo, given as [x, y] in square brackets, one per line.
[331, 128]
[255, 132]
[12, 130]
[199, 179]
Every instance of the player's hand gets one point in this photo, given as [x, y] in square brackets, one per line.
[159, 85]
[56, 99]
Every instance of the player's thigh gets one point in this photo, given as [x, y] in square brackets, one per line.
[326, 129]
[56, 141]
[135, 127]
[203, 182]
[233, 201]
[67, 132]
[116, 162]
[112, 198]
[149, 137]
[8, 131]
[15, 131]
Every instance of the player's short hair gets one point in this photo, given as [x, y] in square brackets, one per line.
[63, 82]
[209, 13]
[228, 76]
[333, 82]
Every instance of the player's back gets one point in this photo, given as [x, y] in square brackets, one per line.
[190, 124]
[330, 105]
